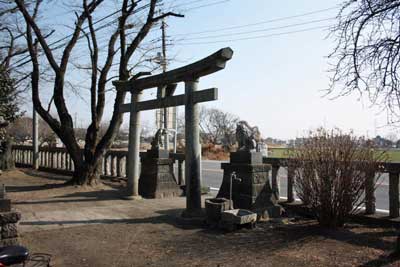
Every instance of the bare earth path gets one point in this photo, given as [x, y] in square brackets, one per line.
[95, 227]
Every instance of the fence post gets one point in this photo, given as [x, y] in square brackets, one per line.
[393, 195]
[275, 180]
[118, 166]
[105, 164]
[290, 182]
[369, 193]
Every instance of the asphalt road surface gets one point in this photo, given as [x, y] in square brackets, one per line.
[212, 177]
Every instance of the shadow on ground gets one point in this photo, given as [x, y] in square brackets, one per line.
[165, 217]
[270, 238]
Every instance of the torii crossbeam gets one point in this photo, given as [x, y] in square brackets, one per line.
[190, 75]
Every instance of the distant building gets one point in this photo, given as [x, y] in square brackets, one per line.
[382, 142]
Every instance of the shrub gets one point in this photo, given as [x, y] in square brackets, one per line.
[330, 172]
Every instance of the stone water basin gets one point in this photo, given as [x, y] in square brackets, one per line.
[238, 216]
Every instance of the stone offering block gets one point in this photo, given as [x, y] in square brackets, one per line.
[246, 157]
[238, 216]
[157, 153]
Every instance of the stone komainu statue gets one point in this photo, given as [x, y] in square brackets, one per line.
[248, 137]
[6, 160]
[157, 142]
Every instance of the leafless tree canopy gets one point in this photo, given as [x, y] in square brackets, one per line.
[21, 131]
[218, 126]
[366, 58]
[98, 42]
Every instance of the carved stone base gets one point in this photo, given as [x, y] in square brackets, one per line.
[253, 190]
[8, 228]
[157, 177]
[6, 159]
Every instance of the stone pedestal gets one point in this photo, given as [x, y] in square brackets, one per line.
[8, 221]
[6, 159]
[8, 228]
[157, 177]
[252, 189]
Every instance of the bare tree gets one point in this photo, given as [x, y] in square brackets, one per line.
[218, 126]
[10, 48]
[123, 50]
[21, 130]
[331, 168]
[367, 58]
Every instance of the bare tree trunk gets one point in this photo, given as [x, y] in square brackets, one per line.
[86, 174]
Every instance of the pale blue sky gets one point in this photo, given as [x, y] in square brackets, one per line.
[274, 82]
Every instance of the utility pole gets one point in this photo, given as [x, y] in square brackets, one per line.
[164, 69]
[163, 92]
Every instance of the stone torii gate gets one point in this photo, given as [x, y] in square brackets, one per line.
[190, 75]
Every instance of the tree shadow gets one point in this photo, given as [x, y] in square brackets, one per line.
[165, 217]
[271, 238]
[149, 220]
[383, 260]
[88, 196]
[45, 175]
[28, 188]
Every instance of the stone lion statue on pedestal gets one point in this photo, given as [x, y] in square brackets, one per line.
[157, 142]
[248, 137]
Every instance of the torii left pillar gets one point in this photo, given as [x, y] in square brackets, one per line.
[134, 149]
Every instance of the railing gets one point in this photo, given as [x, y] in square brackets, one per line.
[57, 160]
[391, 168]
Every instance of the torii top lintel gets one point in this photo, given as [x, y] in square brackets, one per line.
[203, 67]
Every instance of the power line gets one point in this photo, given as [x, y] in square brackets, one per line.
[189, 9]
[259, 36]
[261, 22]
[261, 30]
[206, 5]
[196, 1]
[27, 58]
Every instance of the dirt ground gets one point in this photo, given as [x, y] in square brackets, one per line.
[94, 227]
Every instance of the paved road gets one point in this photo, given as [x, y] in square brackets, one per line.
[212, 177]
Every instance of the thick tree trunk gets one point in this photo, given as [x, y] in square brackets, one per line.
[87, 174]
[87, 171]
